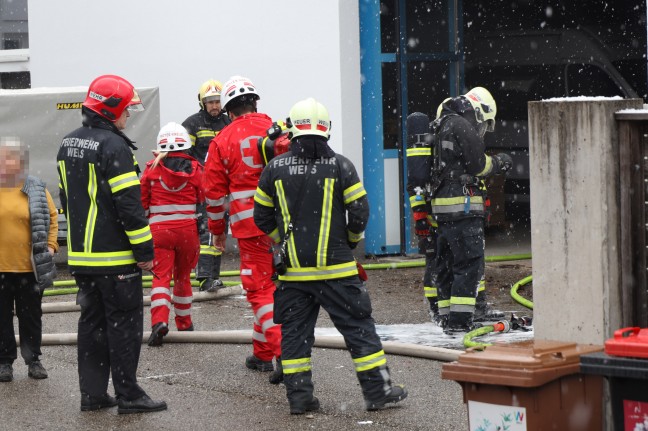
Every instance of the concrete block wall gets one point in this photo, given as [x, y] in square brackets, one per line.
[574, 167]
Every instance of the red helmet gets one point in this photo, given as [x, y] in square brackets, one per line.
[109, 95]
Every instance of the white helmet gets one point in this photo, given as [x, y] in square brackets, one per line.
[173, 137]
[484, 105]
[309, 117]
[238, 86]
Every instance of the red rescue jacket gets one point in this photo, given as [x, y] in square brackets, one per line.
[232, 170]
[171, 191]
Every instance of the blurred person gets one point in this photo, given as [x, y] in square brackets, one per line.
[109, 244]
[202, 127]
[171, 190]
[457, 202]
[232, 170]
[311, 202]
[28, 222]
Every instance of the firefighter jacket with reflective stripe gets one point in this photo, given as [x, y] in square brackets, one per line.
[108, 232]
[171, 191]
[419, 162]
[332, 214]
[202, 128]
[232, 172]
[461, 152]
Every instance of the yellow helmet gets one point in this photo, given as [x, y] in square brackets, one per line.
[484, 105]
[440, 108]
[309, 117]
[209, 90]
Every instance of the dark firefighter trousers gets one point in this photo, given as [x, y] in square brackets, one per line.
[110, 333]
[209, 260]
[460, 268]
[347, 302]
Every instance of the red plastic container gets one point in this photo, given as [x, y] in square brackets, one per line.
[628, 342]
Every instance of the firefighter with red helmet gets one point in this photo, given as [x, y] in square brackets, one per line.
[202, 127]
[311, 201]
[171, 192]
[109, 243]
[232, 170]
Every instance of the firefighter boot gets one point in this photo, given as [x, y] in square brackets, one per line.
[254, 363]
[484, 312]
[215, 285]
[299, 389]
[157, 333]
[205, 284]
[396, 393]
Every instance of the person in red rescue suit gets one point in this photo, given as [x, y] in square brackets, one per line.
[171, 191]
[311, 202]
[419, 164]
[232, 170]
[202, 127]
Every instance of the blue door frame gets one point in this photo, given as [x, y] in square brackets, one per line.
[374, 154]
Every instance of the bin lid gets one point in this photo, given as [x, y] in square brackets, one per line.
[529, 363]
[629, 342]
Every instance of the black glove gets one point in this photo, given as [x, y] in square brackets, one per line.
[502, 162]
[422, 228]
[427, 244]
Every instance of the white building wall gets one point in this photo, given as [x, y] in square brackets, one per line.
[291, 49]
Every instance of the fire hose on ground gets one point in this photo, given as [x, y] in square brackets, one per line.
[65, 287]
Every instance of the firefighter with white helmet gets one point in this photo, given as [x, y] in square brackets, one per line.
[311, 202]
[457, 202]
[171, 192]
[202, 127]
[232, 170]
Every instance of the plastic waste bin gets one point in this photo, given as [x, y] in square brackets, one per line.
[625, 364]
[530, 385]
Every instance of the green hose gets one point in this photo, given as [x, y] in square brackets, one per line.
[528, 304]
[467, 339]
[146, 284]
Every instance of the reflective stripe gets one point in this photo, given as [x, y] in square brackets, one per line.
[262, 198]
[205, 133]
[171, 208]
[444, 304]
[139, 236]
[292, 366]
[285, 216]
[242, 215]
[457, 204]
[216, 216]
[274, 235]
[161, 303]
[431, 220]
[92, 211]
[173, 189]
[114, 258]
[462, 308]
[487, 167]
[123, 181]
[161, 290]
[456, 200]
[370, 361]
[482, 285]
[182, 312]
[419, 151]
[353, 237]
[327, 273]
[267, 325]
[354, 192]
[215, 202]
[170, 217]
[263, 310]
[182, 299]
[63, 178]
[430, 292]
[243, 194]
[209, 250]
[444, 311]
[462, 304]
[325, 222]
[259, 337]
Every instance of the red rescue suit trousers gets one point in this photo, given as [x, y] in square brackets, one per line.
[176, 253]
[256, 277]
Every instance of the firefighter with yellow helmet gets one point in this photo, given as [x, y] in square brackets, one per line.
[202, 127]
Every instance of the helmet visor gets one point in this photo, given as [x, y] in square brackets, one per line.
[135, 105]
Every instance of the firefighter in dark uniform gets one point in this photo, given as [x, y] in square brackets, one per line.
[203, 126]
[302, 202]
[109, 243]
[457, 202]
[419, 164]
